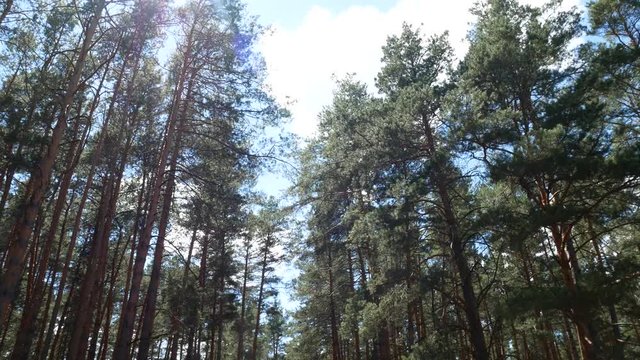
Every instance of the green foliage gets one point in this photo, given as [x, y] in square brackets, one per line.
[535, 139]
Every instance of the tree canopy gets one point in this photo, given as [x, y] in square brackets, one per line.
[477, 208]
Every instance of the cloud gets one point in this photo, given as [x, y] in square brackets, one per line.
[304, 62]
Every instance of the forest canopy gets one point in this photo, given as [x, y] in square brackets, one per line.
[477, 208]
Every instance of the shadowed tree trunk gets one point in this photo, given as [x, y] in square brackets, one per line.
[243, 295]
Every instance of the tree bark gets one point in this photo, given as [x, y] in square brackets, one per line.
[335, 337]
[471, 309]
[148, 315]
[256, 330]
[245, 276]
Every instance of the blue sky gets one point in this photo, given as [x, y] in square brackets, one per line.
[314, 42]
[290, 13]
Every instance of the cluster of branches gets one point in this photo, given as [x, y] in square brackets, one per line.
[109, 158]
[487, 210]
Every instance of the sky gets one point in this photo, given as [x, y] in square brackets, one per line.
[311, 43]
[314, 42]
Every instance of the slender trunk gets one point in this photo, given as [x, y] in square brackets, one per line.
[95, 160]
[245, 276]
[220, 336]
[218, 304]
[56, 351]
[572, 350]
[173, 354]
[256, 331]
[65, 270]
[40, 351]
[355, 332]
[136, 228]
[213, 326]
[154, 282]
[422, 328]
[578, 315]
[97, 322]
[106, 309]
[335, 337]
[25, 334]
[202, 275]
[90, 286]
[33, 252]
[540, 321]
[516, 343]
[172, 350]
[95, 276]
[411, 306]
[110, 299]
[476, 333]
[613, 315]
[187, 264]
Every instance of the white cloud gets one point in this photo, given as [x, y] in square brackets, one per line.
[301, 62]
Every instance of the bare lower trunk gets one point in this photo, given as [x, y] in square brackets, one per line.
[335, 337]
[256, 331]
[245, 276]
[578, 315]
[154, 282]
[91, 284]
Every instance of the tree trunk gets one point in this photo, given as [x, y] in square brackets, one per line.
[613, 315]
[335, 337]
[40, 351]
[245, 276]
[256, 331]
[90, 286]
[577, 314]
[115, 271]
[471, 309]
[154, 282]
[355, 331]
[7, 9]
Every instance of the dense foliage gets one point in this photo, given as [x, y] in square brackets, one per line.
[486, 209]
[132, 135]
